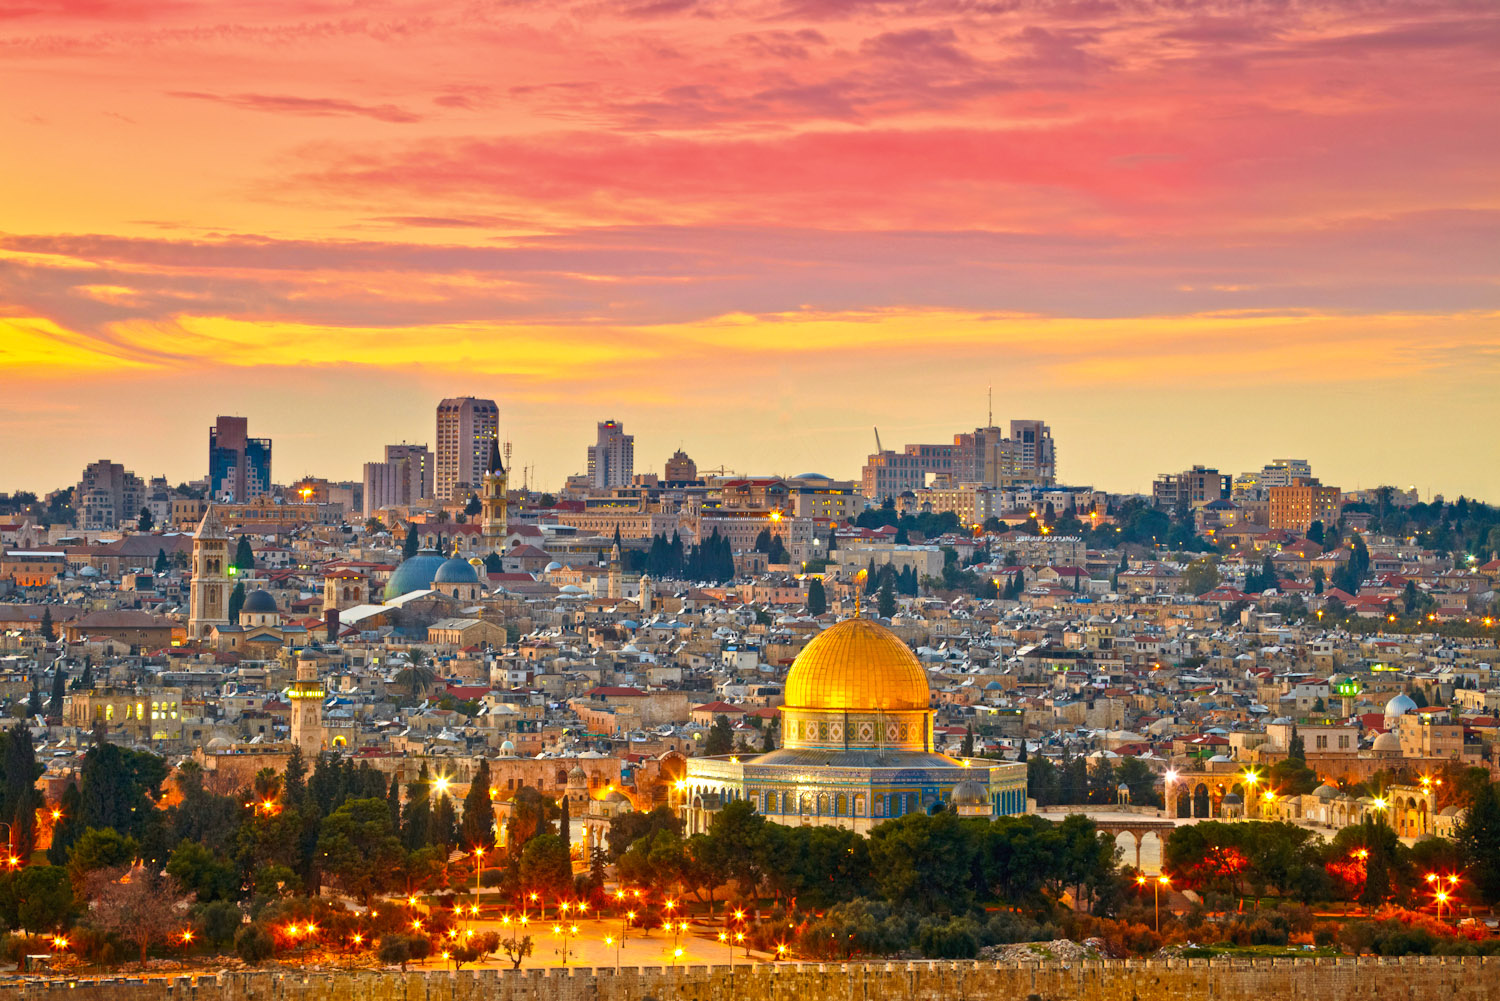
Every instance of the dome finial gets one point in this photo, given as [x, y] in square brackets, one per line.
[859, 580]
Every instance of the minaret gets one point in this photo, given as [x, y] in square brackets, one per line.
[208, 600]
[307, 695]
[648, 595]
[614, 572]
[493, 513]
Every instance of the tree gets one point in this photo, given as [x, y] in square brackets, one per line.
[1315, 532]
[145, 522]
[565, 826]
[1201, 576]
[416, 677]
[118, 788]
[358, 848]
[37, 898]
[517, 947]
[546, 867]
[410, 546]
[817, 598]
[49, 632]
[96, 849]
[720, 737]
[478, 827]
[138, 904]
[236, 601]
[67, 828]
[18, 796]
[886, 601]
[967, 750]
[199, 870]
[740, 834]
[628, 828]
[1478, 840]
[474, 948]
[161, 562]
[923, 862]
[244, 558]
[768, 739]
[1319, 579]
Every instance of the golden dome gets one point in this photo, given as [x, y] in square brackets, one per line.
[856, 665]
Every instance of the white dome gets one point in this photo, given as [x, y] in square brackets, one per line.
[1386, 742]
[554, 565]
[1396, 708]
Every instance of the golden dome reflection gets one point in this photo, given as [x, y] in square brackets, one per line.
[857, 665]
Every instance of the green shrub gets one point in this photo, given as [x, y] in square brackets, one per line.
[254, 944]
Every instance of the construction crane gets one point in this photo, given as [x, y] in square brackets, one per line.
[878, 449]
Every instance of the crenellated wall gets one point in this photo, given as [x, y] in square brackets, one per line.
[1406, 979]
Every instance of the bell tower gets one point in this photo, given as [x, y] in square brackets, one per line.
[492, 502]
[208, 600]
[307, 694]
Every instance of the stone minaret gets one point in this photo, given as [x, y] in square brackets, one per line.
[307, 694]
[648, 595]
[208, 600]
[492, 501]
[614, 573]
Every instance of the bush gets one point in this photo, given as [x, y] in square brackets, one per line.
[1324, 937]
[254, 944]
[1007, 927]
[219, 921]
[957, 938]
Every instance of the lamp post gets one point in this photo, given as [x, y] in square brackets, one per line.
[478, 871]
[1156, 885]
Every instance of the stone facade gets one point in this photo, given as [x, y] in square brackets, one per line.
[1408, 978]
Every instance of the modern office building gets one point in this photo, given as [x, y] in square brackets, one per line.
[1295, 507]
[239, 467]
[680, 468]
[987, 456]
[465, 429]
[108, 496]
[404, 479]
[612, 457]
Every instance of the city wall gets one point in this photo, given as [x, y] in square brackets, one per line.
[1407, 979]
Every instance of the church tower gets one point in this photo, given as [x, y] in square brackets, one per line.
[492, 502]
[648, 596]
[208, 600]
[614, 572]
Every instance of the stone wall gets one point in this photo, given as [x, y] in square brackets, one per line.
[1407, 979]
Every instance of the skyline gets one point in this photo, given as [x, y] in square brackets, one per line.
[650, 463]
[1217, 234]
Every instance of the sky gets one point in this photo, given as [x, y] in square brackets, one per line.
[1180, 232]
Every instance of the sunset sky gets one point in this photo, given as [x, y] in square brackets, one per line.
[1178, 231]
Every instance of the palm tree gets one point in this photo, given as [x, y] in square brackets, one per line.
[417, 677]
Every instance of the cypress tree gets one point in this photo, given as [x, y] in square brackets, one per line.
[393, 802]
[817, 597]
[478, 825]
[409, 547]
[565, 824]
[244, 559]
[161, 561]
[416, 820]
[49, 632]
[236, 601]
[967, 750]
[59, 692]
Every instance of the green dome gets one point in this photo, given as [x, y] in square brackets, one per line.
[415, 574]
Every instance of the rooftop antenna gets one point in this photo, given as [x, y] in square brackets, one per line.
[990, 416]
[507, 453]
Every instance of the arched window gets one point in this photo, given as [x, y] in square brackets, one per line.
[842, 809]
[770, 802]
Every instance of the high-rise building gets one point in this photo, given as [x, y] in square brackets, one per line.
[1295, 507]
[612, 459]
[108, 496]
[680, 468]
[465, 428]
[239, 467]
[404, 479]
[1191, 488]
[1026, 457]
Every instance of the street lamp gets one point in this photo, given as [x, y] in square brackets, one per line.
[1156, 885]
[478, 870]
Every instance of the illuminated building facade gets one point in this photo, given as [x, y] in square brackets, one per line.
[857, 746]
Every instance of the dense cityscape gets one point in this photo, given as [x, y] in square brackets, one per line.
[953, 707]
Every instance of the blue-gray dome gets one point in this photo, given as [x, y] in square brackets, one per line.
[456, 571]
[259, 602]
[415, 574]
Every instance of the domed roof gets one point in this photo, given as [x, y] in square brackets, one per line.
[1386, 742]
[970, 793]
[554, 565]
[507, 748]
[1326, 791]
[414, 574]
[455, 571]
[856, 665]
[577, 772]
[260, 602]
[1233, 799]
[1400, 706]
